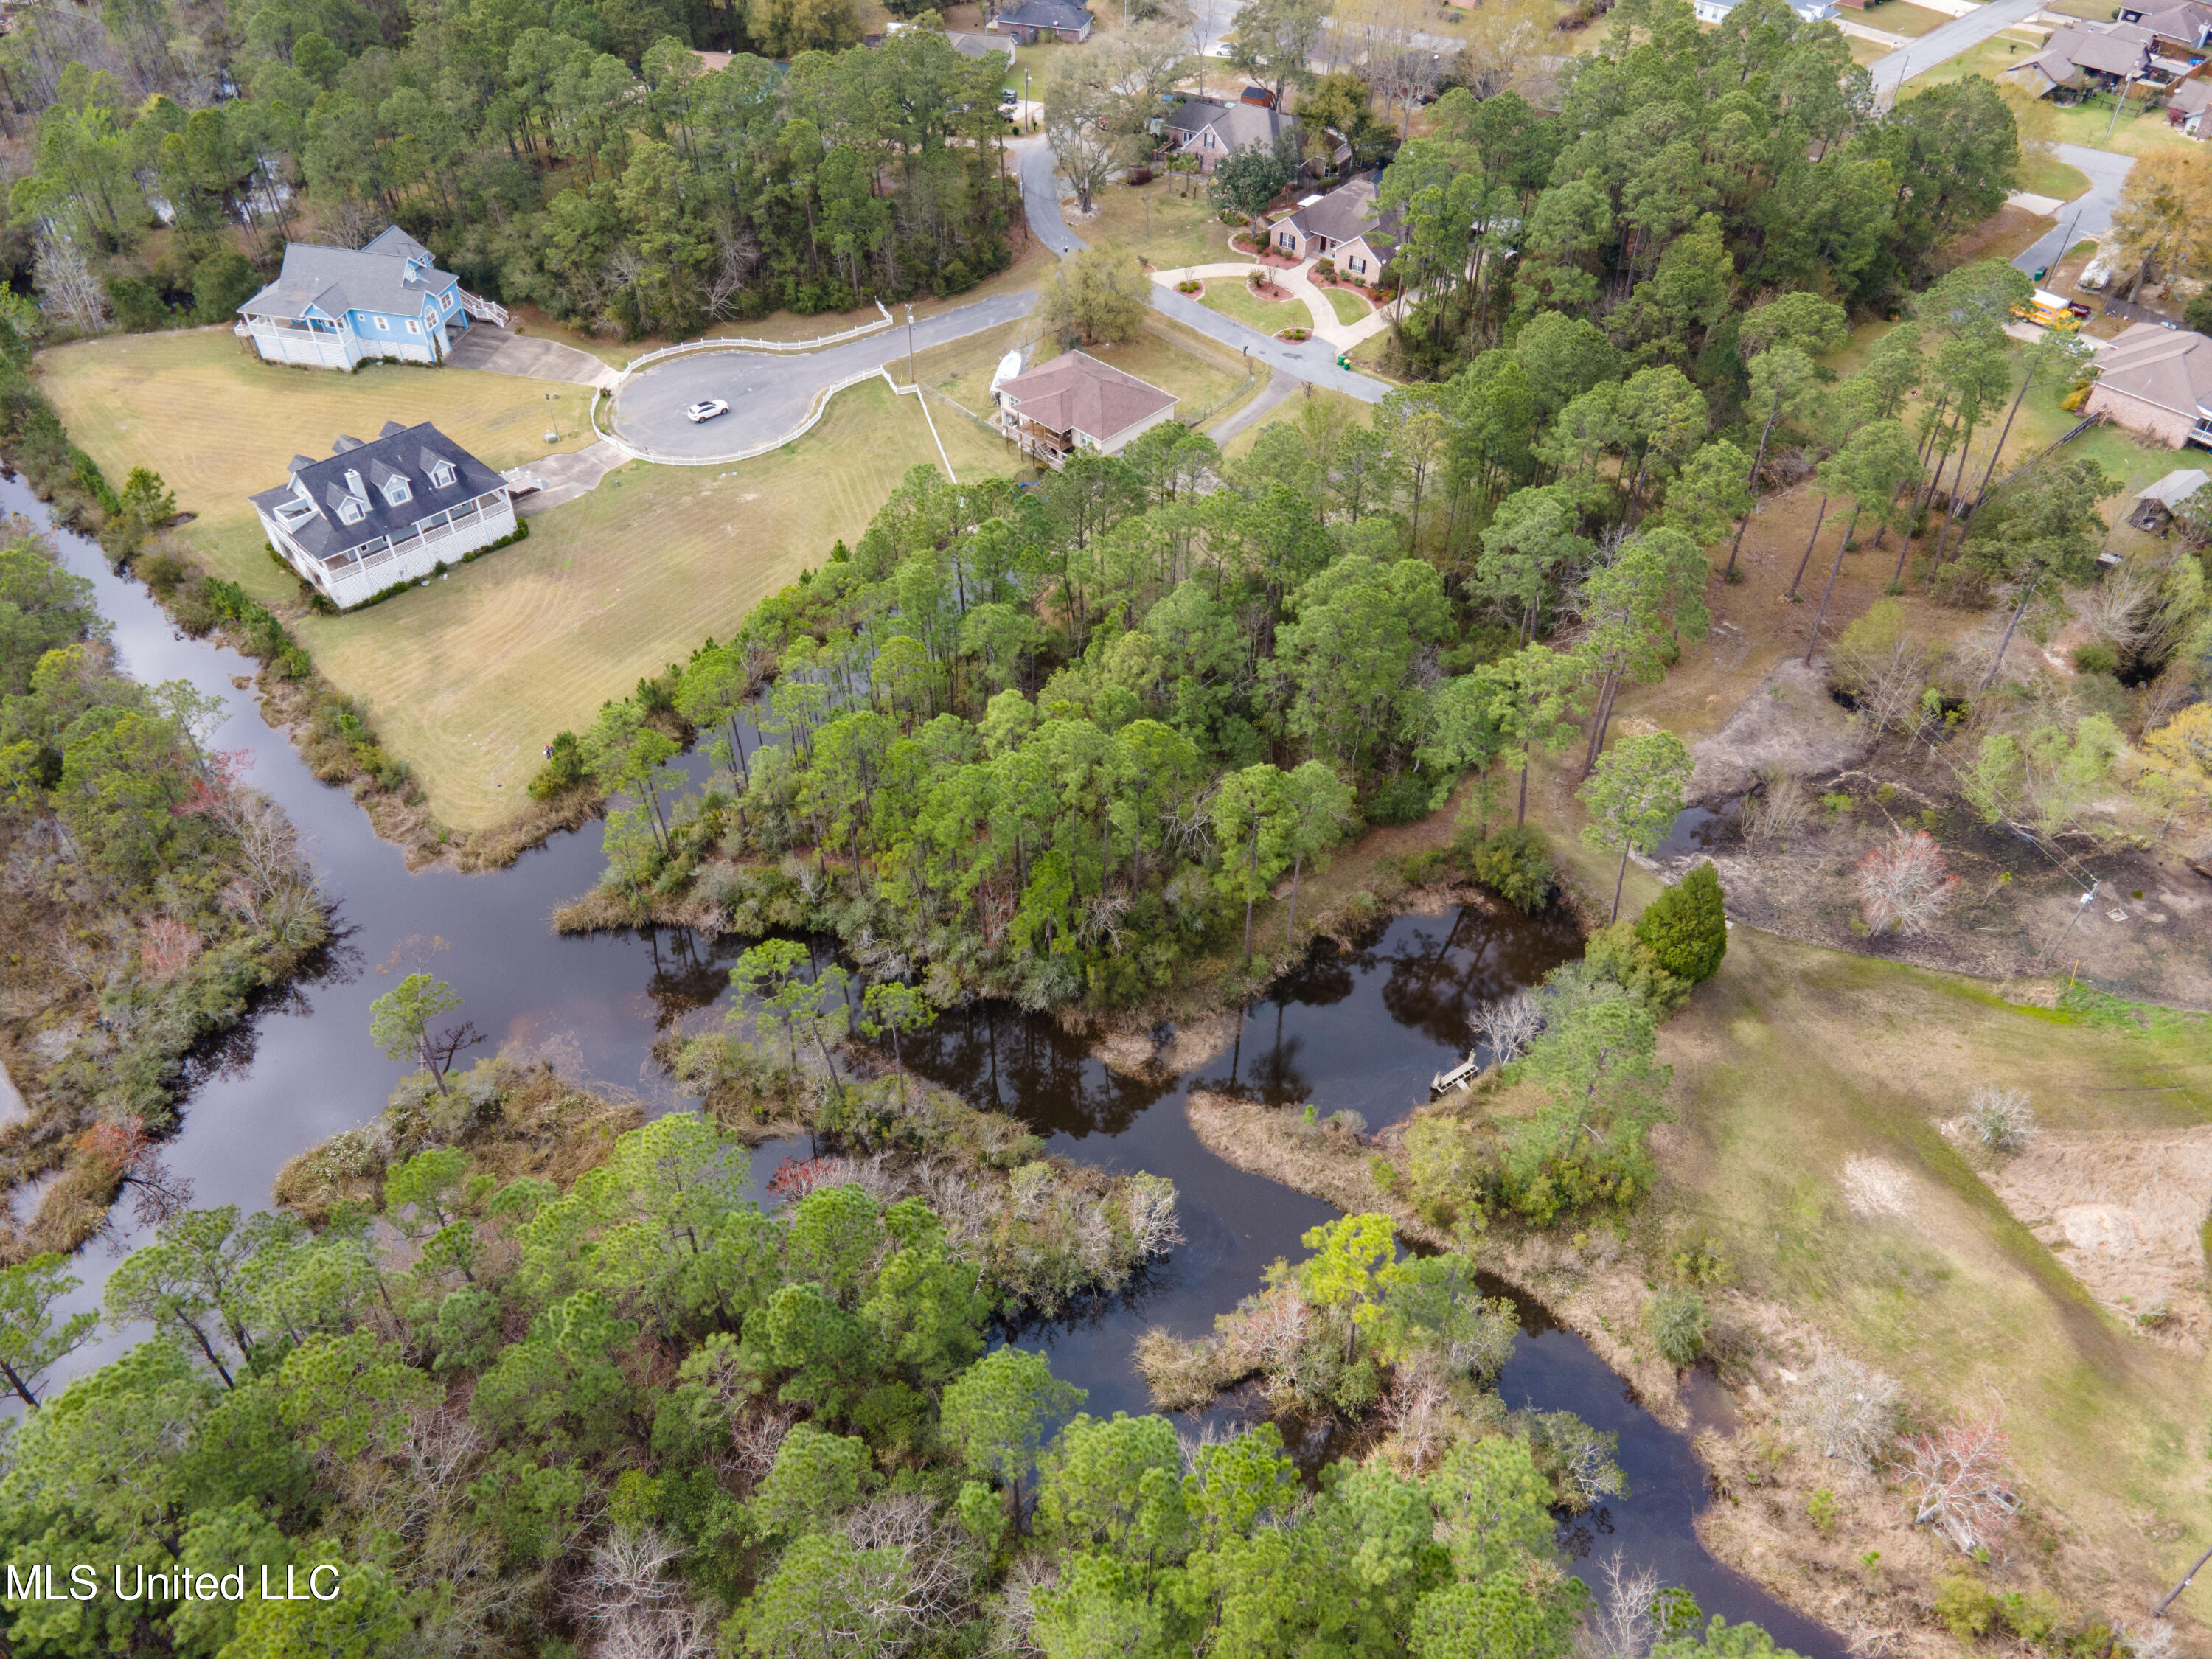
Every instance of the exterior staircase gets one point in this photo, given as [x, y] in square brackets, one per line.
[483, 310]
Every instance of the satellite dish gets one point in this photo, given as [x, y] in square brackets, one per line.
[1009, 366]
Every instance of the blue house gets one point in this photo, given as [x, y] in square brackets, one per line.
[332, 307]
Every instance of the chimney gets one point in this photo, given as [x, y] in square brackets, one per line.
[353, 486]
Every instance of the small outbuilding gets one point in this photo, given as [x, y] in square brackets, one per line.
[2156, 508]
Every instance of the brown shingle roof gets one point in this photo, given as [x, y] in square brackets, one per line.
[2170, 368]
[1075, 392]
[1236, 124]
[2113, 49]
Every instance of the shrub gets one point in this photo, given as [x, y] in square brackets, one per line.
[1140, 176]
[2096, 658]
[1821, 1509]
[1964, 1607]
[564, 769]
[1904, 884]
[1615, 953]
[1678, 1322]
[1399, 799]
[1514, 864]
[2001, 1119]
[1687, 926]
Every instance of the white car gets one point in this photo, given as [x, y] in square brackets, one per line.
[706, 411]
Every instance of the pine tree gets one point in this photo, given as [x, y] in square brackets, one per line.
[1686, 927]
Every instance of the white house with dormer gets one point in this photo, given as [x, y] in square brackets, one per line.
[370, 516]
[335, 307]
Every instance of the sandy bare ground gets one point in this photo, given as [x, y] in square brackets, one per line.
[2126, 1217]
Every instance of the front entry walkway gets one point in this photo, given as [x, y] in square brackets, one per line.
[1298, 280]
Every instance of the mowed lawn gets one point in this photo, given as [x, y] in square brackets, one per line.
[1233, 298]
[218, 424]
[1160, 225]
[468, 678]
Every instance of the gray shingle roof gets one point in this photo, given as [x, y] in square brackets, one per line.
[1047, 15]
[1348, 212]
[2112, 49]
[335, 280]
[2170, 368]
[409, 451]
[1238, 124]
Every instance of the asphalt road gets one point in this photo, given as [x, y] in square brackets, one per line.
[1946, 41]
[770, 394]
[1314, 360]
[2087, 215]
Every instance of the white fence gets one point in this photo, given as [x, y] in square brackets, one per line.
[638, 453]
[739, 342]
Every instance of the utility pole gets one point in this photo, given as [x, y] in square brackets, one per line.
[2126, 87]
[909, 346]
[2079, 911]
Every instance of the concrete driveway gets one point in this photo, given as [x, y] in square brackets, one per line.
[770, 394]
[500, 351]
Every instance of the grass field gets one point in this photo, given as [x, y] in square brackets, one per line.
[2139, 127]
[218, 424]
[467, 679]
[1350, 307]
[2047, 175]
[1232, 297]
[1902, 17]
[1167, 230]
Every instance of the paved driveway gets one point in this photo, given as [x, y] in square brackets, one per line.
[500, 351]
[1946, 41]
[770, 394]
[1314, 360]
[2089, 215]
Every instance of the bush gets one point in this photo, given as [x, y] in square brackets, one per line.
[220, 284]
[2096, 659]
[1678, 1323]
[1514, 864]
[1616, 954]
[1140, 176]
[1965, 1606]
[1399, 799]
[1687, 926]
[2197, 313]
[564, 771]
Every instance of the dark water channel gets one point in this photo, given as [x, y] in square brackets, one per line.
[1362, 1031]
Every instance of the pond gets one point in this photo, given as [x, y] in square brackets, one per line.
[1362, 1031]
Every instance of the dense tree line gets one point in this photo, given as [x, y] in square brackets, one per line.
[1687, 171]
[578, 157]
[636, 1412]
[151, 896]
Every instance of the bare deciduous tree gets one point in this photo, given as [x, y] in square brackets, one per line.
[1620, 1623]
[1850, 1409]
[1903, 884]
[1778, 810]
[1417, 1410]
[1507, 1025]
[628, 1597]
[1958, 1481]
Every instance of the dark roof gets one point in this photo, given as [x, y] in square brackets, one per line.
[408, 451]
[1047, 15]
[1239, 124]
[336, 280]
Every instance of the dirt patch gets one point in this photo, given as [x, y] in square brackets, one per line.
[1789, 721]
[2126, 1217]
[1875, 1186]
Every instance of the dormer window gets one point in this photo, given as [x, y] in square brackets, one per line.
[351, 510]
[441, 475]
[396, 491]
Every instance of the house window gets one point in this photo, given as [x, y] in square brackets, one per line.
[414, 327]
[384, 325]
[441, 475]
[396, 492]
[1358, 264]
[349, 510]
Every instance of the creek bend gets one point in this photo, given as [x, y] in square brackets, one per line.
[1361, 1031]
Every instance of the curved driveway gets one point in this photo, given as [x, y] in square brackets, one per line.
[1314, 360]
[770, 394]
